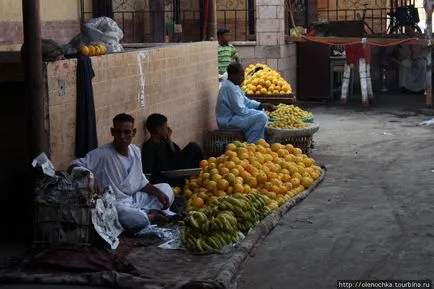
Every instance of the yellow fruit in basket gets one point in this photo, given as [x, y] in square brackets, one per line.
[92, 50]
[264, 90]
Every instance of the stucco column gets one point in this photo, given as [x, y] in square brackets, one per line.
[270, 39]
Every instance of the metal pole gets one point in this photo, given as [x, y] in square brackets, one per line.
[33, 76]
[428, 37]
[212, 20]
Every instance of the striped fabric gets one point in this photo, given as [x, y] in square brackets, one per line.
[226, 54]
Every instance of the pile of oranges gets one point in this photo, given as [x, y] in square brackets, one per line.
[264, 81]
[278, 172]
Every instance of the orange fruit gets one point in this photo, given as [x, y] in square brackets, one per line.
[306, 182]
[308, 162]
[245, 175]
[84, 50]
[262, 143]
[297, 151]
[211, 186]
[238, 188]
[231, 147]
[223, 171]
[247, 189]
[230, 178]
[216, 177]
[97, 50]
[296, 175]
[235, 172]
[230, 165]
[239, 180]
[92, 50]
[275, 147]
[198, 202]
[295, 182]
[221, 194]
[222, 184]
[264, 191]
[188, 193]
[261, 178]
[252, 182]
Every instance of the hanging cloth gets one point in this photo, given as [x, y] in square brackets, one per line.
[85, 135]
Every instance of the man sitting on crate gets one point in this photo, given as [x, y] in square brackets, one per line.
[119, 164]
[160, 153]
[235, 111]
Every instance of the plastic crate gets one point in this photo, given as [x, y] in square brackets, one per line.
[216, 141]
[63, 225]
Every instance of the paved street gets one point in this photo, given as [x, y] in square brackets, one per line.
[372, 217]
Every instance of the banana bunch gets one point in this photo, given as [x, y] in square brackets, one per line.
[249, 210]
[217, 226]
[209, 229]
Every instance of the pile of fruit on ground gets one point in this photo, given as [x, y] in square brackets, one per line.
[236, 190]
[288, 116]
[264, 81]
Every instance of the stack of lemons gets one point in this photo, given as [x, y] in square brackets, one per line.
[288, 116]
[261, 79]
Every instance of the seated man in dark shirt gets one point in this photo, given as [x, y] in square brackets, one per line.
[160, 153]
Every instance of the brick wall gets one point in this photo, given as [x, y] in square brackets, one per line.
[180, 82]
[60, 31]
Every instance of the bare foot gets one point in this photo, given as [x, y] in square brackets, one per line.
[157, 219]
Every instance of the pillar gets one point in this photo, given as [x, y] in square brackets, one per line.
[32, 57]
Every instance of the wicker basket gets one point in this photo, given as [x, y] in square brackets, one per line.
[299, 137]
[308, 119]
[63, 225]
[216, 141]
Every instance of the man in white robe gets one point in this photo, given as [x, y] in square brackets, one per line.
[118, 164]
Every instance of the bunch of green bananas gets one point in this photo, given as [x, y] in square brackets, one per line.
[217, 226]
[209, 229]
[248, 209]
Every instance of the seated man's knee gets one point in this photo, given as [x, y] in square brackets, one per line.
[167, 190]
[262, 118]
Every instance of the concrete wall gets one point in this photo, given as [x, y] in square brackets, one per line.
[180, 82]
[60, 21]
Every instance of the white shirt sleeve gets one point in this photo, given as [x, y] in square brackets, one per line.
[91, 161]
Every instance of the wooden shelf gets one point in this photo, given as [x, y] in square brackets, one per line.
[274, 99]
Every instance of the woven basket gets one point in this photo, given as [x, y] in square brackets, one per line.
[215, 142]
[298, 137]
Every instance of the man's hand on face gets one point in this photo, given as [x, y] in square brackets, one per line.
[169, 133]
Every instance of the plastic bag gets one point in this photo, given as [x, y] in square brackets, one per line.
[104, 29]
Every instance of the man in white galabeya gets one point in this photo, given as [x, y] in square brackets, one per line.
[118, 164]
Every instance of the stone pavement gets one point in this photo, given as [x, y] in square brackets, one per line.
[372, 216]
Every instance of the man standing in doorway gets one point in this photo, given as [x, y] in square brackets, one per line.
[227, 53]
